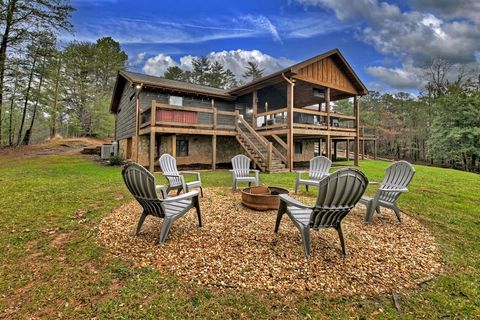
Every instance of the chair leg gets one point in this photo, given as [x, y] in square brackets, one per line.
[307, 245]
[397, 212]
[165, 229]
[369, 212]
[342, 241]
[140, 223]
[296, 187]
[179, 190]
[249, 184]
[377, 208]
[201, 191]
[281, 211]
[306, 187]
[234, 185]
[196, 203]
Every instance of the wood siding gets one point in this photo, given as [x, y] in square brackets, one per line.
[327, 71]
[125, 121]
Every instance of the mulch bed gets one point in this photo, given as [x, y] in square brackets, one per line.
[236, 248]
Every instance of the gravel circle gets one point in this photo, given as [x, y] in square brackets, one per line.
[237, 248]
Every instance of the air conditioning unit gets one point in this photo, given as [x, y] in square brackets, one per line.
[106, 151]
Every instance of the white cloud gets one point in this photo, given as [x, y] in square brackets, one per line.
[415, 37]
[138, 59]
[235, 60]
[263, 23]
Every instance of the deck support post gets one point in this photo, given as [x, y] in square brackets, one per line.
[214, 152]
[290, 103]
[174, 146]
[327, 106]
[375, 149]
[329, 148]
[347, 148]
[151, 158]
[254, 106]
[356, 106]
[334, 150]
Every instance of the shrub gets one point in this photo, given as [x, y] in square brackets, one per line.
[116, 161]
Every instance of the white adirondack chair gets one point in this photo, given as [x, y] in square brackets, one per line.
[396, 180]
[318, 170]
[175, 178]
[241, 171]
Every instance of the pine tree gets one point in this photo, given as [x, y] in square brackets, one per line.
[253, 71]
[174, 73]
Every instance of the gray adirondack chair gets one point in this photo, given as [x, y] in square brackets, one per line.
[338, 193]
[396, 180]
[141, 184]
[175, 178]
[241, 171]
[318, 170]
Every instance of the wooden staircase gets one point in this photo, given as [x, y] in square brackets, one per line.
[259, 149]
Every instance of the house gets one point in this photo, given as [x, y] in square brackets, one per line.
[276, 120]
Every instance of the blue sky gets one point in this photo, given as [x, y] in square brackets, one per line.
[387, 43]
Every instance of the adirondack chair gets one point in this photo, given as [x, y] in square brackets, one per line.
[319, 167]
[241, 171]
[395, 182]
[175, 178]
[141, 184]
[338, 193]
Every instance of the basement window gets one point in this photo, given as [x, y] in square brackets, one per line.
[182, 148]
[298, 147]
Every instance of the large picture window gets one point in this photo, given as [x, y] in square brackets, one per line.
[182, 148]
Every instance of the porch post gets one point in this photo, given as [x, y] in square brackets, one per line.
[290, 100]
[174, 146]
[375, 149]
[214, 152]
[151, 157]
[254, 106]
[327, 106]
[363, 144]
[329, 148]
[356, 106]
[335, 150]
[348, 149]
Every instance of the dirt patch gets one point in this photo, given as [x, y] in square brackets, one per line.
[237, 248]
[60, 240]
[58, 146]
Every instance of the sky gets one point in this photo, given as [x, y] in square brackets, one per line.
[388, 43]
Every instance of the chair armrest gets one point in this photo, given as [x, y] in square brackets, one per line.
[393, 190]
[254, 170]
[188, 195]
[374, 183]
[299, 173]
[192, 173]
[182, 179]
[293, 202]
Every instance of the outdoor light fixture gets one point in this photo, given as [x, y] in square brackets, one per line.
[138, 86]
[319, 93]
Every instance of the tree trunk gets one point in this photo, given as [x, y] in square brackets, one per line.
[12, 101]
[3, 53]
[53, 129]
[28, 133]
[27, 94]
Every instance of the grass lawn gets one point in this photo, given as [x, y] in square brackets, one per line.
[51, 265]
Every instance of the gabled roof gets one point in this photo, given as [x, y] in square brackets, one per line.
[162, 83]
[296, 67]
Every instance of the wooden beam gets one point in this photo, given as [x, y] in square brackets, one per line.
[363, 144]
[324, 84]
[280, 141]
[290, 102]
[348, 149]
[334, 150]
[356, 151]
[153, 113]
[214, 152]
[254, 106]
[151, 158]
[374, 149]
[329, 148]
[327, 106]
[174, 146]
[137, 124]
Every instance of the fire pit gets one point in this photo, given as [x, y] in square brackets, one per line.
[262, 198]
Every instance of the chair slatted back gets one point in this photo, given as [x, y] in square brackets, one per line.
[141, 184]
[168, 164]
[338, 193]
[241, 165]
[398, 176]
[319, 167]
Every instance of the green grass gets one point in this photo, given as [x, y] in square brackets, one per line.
[51, 265]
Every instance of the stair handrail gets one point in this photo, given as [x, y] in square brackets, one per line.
[261, 155]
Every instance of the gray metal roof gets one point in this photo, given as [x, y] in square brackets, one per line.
[153, 81]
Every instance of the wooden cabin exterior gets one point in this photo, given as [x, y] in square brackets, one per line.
[277, 120]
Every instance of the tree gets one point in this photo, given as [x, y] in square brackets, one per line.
[174, 73]
[21, 18]
[216, 76]
[253, 71]
[201, 70]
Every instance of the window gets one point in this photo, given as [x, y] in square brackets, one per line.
[175, 100]
[298, 147]
[182, 148]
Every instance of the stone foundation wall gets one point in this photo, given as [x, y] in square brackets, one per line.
[308, 151]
